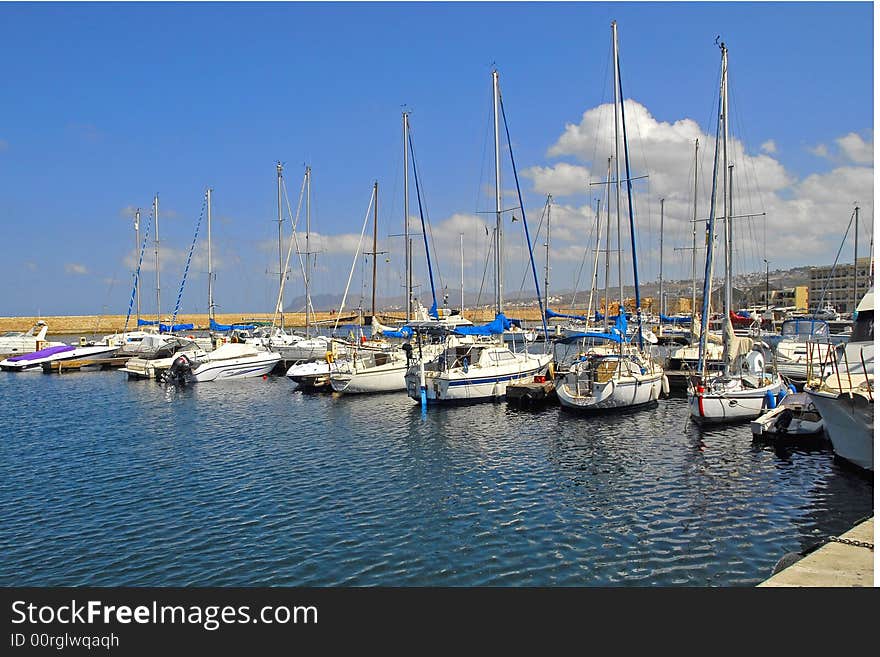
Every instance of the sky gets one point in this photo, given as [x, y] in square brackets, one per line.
[104, 105]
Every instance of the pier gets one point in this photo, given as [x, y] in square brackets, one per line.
[59, 366]
[843, 561]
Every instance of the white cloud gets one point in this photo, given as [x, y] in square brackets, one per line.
[562, 179]
[769, 146]
[74, 268]
[856, 149]
[819, 150]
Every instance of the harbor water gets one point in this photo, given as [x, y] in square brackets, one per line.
[109, 482]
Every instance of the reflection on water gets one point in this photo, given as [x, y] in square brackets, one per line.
[109, 482]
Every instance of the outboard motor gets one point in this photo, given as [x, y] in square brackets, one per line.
[179, 370]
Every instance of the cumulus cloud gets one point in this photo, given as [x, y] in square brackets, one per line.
[769, 146]
[819, 150]
[74, 268]
[856, 149]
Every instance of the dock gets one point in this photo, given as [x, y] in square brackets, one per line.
[533, 394]
[843, 561]
[59, 366]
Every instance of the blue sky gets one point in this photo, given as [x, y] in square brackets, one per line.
[104, 104]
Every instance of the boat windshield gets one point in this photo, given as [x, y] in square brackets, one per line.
[805, 328]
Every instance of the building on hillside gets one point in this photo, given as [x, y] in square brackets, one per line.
[838, 290]
[794, 298]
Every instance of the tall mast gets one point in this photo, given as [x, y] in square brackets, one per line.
[407, 248]
[158, 303]
[375, 245]
[607, 242]
[547, 257]
[279, 169]
[662, 309]
[617, 164]
[499, 236]
[694, 251]
[308, 250]
[856, 263]
[137, 249]
[728, 256]
[210, 261]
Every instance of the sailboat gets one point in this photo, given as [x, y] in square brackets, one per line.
[475, 365]
[624, 375]
[845, 396]
[228, 361]
[745, 386]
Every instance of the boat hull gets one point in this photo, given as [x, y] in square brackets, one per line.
[849, 423]
[235, 368]
[390, 379]
[731, 405]
[615, 394]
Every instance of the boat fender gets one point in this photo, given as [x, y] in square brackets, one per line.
[551, 370]
[791, 388]
[781, 395]
[329, 356]
[769, 400]
[465, 364]
[664, 385]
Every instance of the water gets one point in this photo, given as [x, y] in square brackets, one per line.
[109, 482]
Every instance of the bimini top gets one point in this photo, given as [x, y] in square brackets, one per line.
[230, 327]
[166, 328]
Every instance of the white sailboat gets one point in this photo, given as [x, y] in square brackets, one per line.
[845, 395]
[625, 376]
[741, 391]
[475, 365]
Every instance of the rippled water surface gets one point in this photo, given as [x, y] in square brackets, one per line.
[110, 482]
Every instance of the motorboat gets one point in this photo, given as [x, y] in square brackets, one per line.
[228, 361]
[155, 354]
[796, 416]
[805, 342]
[15, 343]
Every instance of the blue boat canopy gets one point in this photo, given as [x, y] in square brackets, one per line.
[230, 327]
[404, 332]
[612, 337]
[674, 320]
[166, 328]
[496, 327]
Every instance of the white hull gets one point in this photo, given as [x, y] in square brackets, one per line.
[390, 378]
[235, 368]
[731, 403]
[615, 393]
[804, 419]
[478, 384]
[304, 350]
[310, 375]
[849, 423]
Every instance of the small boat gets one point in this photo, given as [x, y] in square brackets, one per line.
[15, 343]
[33, 361]
[313, 375]
[795, 416]
[228, 361]
[804, 341]
[155, 354]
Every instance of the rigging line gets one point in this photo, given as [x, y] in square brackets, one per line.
[426, 218]
[294, 220]
[537, 236]
[356, 254]
[188, 261]
[489, 252]
[837, 257]
[137, 271]
[422, 217]
[525, 224]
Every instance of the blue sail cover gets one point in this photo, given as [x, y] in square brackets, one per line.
[674, 320]
[166, 328]
[230, 327]
[496, 327]
[549, 313]
[620, 326]
[404, 332]
[612, 337]
[433, 312]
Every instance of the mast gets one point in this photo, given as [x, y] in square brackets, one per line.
[137, 244]
[694, 251]
[407, 248]
[662, 201]
[607, 243]
[499, 236]
[856, 263]
[279, 169]
[158, 303]
[617, 164]
[375, 245]
[210, 262]
[728, 256]
[547, 257]
[308, 250]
